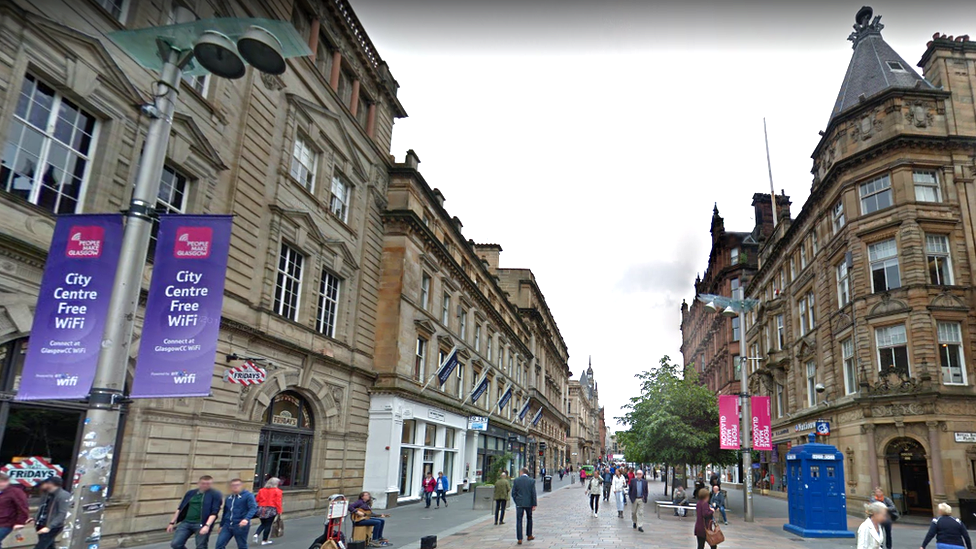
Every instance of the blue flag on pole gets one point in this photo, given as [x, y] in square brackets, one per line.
[525, 409]
[448, 366]
[480, 388]
[506, 396]
[538, 416]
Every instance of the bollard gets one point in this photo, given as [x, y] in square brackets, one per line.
[428, 542]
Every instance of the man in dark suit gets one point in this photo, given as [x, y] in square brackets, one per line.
[638, 496]
[524, 496]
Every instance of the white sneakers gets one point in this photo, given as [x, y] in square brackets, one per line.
[595, 514]
[269, 542]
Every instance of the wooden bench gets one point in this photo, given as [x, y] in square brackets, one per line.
[691, 508]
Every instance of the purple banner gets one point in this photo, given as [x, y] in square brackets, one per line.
[69, 319]
[179, 336]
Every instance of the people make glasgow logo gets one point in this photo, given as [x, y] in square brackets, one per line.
[85, 242]
[193, 243]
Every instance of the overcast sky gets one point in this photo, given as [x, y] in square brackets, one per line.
[591, 139]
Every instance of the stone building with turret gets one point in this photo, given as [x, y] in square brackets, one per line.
[866, 296]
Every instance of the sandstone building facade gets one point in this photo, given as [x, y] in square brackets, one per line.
[867, 295]
[583, 409]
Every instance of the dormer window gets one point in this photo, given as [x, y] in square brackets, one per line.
[895, 66]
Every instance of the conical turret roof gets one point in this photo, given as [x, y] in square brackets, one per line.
[874, 67]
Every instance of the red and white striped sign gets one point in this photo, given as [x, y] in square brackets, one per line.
[248, 373]
[31, 471]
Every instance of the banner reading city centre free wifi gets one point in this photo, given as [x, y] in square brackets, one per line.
[179, 336]
[70, 315]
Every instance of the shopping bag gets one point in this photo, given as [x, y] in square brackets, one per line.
[714, 535]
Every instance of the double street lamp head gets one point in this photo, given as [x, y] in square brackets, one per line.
[258, 47]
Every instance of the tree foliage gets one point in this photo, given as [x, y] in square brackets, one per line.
[674, 419]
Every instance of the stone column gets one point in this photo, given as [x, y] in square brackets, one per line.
[354, 100]
[313, 37]
[868, 431]
[336, 67]
[371, 120]
[935, 457]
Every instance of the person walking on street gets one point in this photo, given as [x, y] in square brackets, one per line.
[52, 512]
[428, 485]
[638, 496]
[619, 487]
[562, 473]
[870, 534]
[526, 500]
[443, 485]
[607, 483]
[594, 489]
[269, 508]
[717, 502]
[503, 491]
[14, 512]
[582, 477]
[196, 515]
[239, 508]
[948, 531]
[893, 515]
[703, 520]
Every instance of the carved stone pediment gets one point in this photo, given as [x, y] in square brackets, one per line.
[840, 322]
[889, 306]
[947, 301]
[807, 347]
[425, 326]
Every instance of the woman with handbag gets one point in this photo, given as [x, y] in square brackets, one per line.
[705, 528]
[269, 507]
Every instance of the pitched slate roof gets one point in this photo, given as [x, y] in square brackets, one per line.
[874, 67]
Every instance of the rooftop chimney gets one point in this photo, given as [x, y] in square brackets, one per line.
[490, 254]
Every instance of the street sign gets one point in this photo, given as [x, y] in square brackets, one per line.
[823, 428]
[30, 471]
[477, 423]
[248, 373]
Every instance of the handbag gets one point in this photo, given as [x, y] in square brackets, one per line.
[714, 535]
[266, 512]
[278, 527]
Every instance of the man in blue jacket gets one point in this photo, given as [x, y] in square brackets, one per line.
[525, 498]
[239, 508]
[607, 483]
[196, 515]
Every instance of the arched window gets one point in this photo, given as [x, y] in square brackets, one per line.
[285, 447]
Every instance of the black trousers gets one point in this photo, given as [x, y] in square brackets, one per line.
[46, 541]
[500, 505]
[701, 543]
[887, 530]
[595, 503]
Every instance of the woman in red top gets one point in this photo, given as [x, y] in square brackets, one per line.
[269, 507]
[703, 519]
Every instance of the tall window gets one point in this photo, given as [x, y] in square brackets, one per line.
[811, 311]
[780, 333]
[812, 383]
[339, 203]
[285, 445]
[171, 198]
[875, 195]
[814, 242]
[803, 256]
[837, 217]
[802, 315]
[736, 288]
[446, 309]
[420, 359]
[289, 283]
[328, 304]
[736, 330]
[488, 349]
[736, 367]
[734, 256]
[48, 154]
[425, 292]
[463, 329]
[477, 338]
[780, 400]
[926, 186]
[362, 112]
[892, 343]
[792, 268]
[843, 285]
[937, 256]
[884, 265]
[950, 353]
[459, 372]
[304, 162]
[850, 369]
[114, 7]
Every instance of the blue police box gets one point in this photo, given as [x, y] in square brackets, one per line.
[815, 480]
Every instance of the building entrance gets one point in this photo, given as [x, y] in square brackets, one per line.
[908, 473]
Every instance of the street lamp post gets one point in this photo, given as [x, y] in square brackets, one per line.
[733, 308]
[171, 51]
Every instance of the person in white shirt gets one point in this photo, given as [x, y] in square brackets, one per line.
[619, 489]
[870, 535]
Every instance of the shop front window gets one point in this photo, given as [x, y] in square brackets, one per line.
[285, 445]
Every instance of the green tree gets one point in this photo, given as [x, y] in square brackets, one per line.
[500, 464]
[674, 419]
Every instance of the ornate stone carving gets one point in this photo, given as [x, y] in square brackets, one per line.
[919, 114]
[850, 416]
[272, 82]
[889, 306]
[947, 300]
[894, 409]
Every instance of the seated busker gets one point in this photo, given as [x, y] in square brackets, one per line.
[362, 515]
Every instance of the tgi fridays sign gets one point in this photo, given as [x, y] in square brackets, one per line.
[30, 471]
[248, 373]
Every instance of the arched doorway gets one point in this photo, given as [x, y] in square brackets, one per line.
[285, 447]
[908, 472]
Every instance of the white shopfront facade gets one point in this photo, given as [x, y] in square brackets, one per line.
[407, 439]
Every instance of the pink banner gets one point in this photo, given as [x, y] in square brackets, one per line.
[762, 424]
[728, 422]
